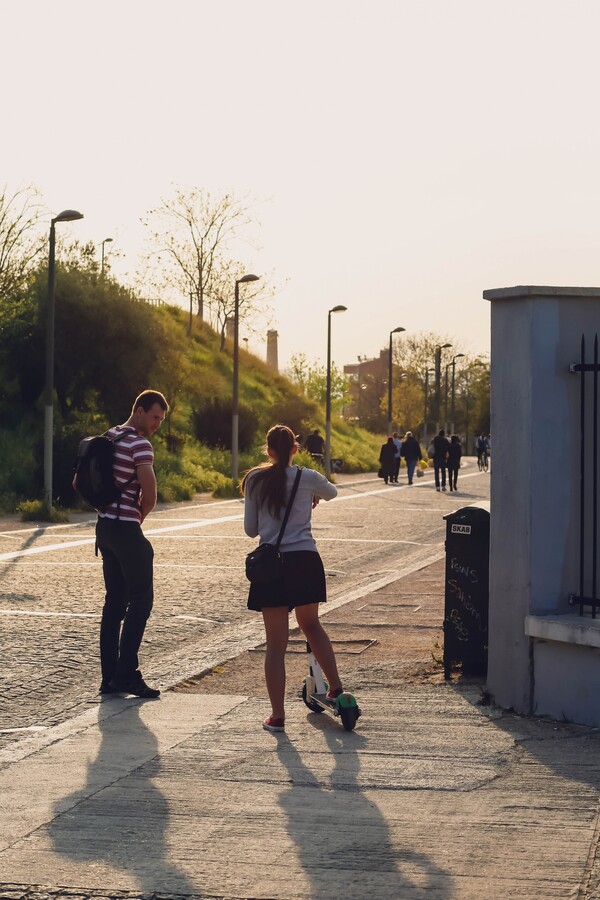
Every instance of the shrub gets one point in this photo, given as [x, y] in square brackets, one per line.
[212, 424]
[37, 511]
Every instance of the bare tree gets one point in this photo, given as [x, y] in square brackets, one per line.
[190, 235]
[21, 240]
[253, 310]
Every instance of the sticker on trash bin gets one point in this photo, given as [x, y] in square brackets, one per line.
[461, 529]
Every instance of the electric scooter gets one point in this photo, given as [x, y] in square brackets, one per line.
[314, 694]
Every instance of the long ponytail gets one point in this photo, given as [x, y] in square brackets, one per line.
[270, 478]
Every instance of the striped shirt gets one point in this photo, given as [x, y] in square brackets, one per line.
[130, 452]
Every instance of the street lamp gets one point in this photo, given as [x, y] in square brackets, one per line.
[467, 378]
[67, 215]
[335, 309]
[453, 364]
[427, 373]
[105, 241]
[235, 402]
[438, 379]
[395, 331]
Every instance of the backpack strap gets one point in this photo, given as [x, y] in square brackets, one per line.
[122, 489]
[288, 507]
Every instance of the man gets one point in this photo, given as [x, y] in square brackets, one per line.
[127, 555]
[441, 446]
[411, 451]
[315, 443]
[398, 446]
[482, 446]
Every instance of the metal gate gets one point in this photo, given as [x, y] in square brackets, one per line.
[588, 483]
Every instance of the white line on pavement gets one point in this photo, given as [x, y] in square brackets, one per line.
[203, 523]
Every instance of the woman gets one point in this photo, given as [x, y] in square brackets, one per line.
[454, 455]
[302, 586]
[387, 459]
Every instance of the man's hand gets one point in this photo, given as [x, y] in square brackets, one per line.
[315, 501]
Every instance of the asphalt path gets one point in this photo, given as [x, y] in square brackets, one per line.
[51, 587]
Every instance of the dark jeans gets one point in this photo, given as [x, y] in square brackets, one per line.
[453, 474]
[439, 467]
[127, 567]
[396, 467]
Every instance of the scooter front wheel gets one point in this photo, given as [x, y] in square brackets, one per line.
[349, 717]
[312, 704]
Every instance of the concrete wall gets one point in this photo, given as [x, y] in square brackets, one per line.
[536, 334]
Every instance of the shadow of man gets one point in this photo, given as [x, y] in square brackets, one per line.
[118, 821]
[343, 839]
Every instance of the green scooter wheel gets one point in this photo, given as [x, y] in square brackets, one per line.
[348, 710]
[349, 718]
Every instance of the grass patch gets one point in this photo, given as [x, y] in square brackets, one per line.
[37, 511]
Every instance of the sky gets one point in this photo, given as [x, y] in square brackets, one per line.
[405, 155]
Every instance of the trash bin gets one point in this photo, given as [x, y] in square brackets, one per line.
[467, 589]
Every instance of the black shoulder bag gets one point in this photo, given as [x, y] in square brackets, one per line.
[264, 564]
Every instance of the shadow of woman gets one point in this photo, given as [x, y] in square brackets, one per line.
[343, 840]
[118, 821]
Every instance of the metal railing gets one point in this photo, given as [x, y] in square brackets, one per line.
[588, 501]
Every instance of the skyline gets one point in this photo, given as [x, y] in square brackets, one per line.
[406, 158]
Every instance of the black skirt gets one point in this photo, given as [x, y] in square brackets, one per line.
[302, 582]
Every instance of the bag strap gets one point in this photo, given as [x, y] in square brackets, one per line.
[288, 508]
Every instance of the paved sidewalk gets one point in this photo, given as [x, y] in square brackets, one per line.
[433, 795]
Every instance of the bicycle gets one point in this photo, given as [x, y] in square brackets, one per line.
[482, 461]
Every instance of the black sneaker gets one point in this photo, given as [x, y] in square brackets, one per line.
[105, 687]
[135, 685]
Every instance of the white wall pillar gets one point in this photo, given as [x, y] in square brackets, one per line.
[536, 334]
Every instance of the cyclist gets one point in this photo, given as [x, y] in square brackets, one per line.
[482, 447]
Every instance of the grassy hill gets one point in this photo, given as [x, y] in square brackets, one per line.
[109, 346]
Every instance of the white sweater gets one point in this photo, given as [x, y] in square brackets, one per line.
[297, 535]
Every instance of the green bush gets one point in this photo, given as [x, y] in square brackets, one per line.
[213, 420]
[37, 511]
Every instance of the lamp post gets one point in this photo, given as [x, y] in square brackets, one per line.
[427, 373]
[438, 380]
[327, 460]
[453, 364]
[235, 400]
[105, 241]
[68, 215]
[395, 331]
[467, 377]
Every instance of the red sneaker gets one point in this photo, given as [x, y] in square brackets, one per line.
[331, 695]
[272, 724]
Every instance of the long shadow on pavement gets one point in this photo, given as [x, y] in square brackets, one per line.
[344, 842]
[119, 819]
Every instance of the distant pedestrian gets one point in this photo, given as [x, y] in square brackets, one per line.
[397, 455]
[454, 455]
[482, 448]
[302, 585]
[315, 443]
[127, 556]
[387, 459]
[411, 451]
[441, 446]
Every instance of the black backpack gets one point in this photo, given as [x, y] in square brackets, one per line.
[94, 478]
